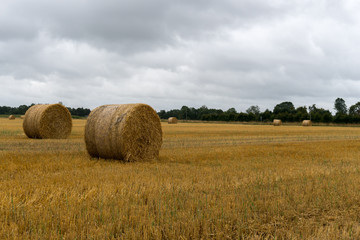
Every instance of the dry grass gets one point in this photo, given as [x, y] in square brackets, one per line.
[212, 181]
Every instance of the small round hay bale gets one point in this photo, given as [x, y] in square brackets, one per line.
[277, 122]
[11, 117]
[129, 132]
[172, 120]
[47, 121]
[22, 116]
[307, 123]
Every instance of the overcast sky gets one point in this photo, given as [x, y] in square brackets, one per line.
[222, 54]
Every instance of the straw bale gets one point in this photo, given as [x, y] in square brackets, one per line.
[307, 123]
[47, 121]
[22, 116]
[128, 132]
[11, 117]
[277, 122]
[172, 120]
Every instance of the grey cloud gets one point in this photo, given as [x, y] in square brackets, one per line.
[132, 25]
[218, 53]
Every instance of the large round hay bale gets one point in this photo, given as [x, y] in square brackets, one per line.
[129, 132]
[277, 122]
[172, 120]
[47, 121]
[11, 117]
[307, 123]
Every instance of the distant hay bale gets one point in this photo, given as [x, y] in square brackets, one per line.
[277, 122]
[47, 121]
[172, 120]
[22, 116]
[11, 117]
[129, 132]
[307, 123]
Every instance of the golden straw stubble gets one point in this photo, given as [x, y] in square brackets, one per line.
[47, 121]
[129, 132]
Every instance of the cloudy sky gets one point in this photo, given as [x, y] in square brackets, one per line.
[222, 54]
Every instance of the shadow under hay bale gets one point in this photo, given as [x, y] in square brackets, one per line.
[172, 120]
[47, 121]
[277, 122]
[129, 132]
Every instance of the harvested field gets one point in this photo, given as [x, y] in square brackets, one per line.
[222, 181]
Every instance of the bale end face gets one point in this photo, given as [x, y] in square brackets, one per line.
[47, 121]
[172, 120]
[128, 132]
[306, 123]
[277, 122]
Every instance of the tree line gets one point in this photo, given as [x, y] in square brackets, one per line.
[285, 111]
[21, 110]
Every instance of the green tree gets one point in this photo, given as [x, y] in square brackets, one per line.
[284, 107]
[253, 109]
[301, 114]
[340, 106]
[266, 115]
[354, 110]
[231, 110]
[242, 117]
[184, 111]
[162, 114]
[320, 114]
[354, 113]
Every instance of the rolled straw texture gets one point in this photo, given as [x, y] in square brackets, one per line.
[277, 122]
[307, 123]
[47, 121]
[128, 132]
[172, 120]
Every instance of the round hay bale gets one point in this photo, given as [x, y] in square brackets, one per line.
[47, 121]
[172, 120]
[129, 132]
[277, 122]
[11, 117]
[22, 116]
[307, 123]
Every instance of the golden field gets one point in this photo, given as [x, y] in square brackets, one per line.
[212, 181]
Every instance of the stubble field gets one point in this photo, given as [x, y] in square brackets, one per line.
[212, 181]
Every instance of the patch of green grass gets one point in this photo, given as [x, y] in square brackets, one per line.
[5, 132]
[7, 115]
